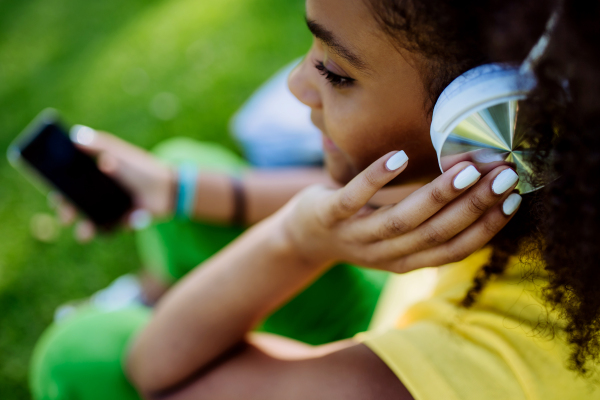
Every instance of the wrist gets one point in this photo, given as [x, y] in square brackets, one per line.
[160, 195]
[186, 188]
[170, 183]
[293, 243]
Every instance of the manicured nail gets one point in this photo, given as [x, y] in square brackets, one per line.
[504, 181]
[466, 177]
[396, 161]
[140, 219]
[511, 204]
[83, 135]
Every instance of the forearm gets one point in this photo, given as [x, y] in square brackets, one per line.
[264, 192]
[213, 308]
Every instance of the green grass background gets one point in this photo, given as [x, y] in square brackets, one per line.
[101, 63]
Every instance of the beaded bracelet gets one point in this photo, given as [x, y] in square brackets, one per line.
[187, 185]
[186, 190]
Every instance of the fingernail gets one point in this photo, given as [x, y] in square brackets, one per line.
[84, 231]
[83, 135]
[396, 161]
[511, 204]
[504, 181]
[140, 219]
[466, 177]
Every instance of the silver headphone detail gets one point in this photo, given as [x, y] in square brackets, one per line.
[476, 118]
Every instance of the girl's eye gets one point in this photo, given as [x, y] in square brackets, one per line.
[335, 79]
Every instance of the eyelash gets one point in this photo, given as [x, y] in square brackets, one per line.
[335, 79]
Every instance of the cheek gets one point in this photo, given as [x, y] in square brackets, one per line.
[365, 130]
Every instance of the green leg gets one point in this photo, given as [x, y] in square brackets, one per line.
[81, 357]
[172, 248]
[335, 307]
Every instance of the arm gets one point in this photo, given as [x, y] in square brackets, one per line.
[264, 191]
[152, 182]
[199, 325]
[231, 287]
[344, 370]
[267, 191]
[172, 358]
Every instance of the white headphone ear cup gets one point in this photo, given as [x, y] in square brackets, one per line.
[475, 119]
[478, 88]
[466, 80]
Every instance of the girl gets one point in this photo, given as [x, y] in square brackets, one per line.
[496, 326]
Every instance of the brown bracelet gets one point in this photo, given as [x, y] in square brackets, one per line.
[174, 190]
[239, 202]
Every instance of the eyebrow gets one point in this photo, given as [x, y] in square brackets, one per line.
[330, 40]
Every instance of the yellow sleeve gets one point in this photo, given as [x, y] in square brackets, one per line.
[507, 346]
[434, 364]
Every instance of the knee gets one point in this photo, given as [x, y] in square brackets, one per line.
[206, 155]
[81, 357]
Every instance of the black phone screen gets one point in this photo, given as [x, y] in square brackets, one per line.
[76, 175]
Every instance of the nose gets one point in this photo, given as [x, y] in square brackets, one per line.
[302, 85]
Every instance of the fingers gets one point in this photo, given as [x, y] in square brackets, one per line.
[84, 231]
[65, 211]
[352, 197]
[457, 216]
[99, 144]
[95, 142]
[86, 139]
[485, 160]
[417, 207]
[394, 194]
[464, 244]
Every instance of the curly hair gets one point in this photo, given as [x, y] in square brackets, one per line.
[560, 223]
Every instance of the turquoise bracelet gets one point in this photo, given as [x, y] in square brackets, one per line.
[186, 190]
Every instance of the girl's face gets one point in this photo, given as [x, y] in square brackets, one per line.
[366, 95]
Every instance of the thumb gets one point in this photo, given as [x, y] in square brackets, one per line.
[108, 164]
[351, 198]
[85, 139]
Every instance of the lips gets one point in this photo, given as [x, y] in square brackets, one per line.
[328, 144]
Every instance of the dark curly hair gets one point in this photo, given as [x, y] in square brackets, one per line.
[560, 223]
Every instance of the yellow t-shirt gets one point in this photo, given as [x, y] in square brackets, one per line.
[508, 345]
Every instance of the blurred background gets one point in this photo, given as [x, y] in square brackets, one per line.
[142, 69]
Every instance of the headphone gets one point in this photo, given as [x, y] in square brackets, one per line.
[476, 116]
[476, 119]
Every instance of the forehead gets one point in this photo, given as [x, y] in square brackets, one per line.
[353, 25]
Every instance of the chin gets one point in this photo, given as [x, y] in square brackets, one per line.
[340, 170]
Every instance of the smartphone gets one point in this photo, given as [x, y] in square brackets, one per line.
[47, 156]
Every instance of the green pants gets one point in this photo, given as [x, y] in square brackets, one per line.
[81, 357]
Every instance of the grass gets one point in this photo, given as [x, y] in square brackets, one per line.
[105, 64]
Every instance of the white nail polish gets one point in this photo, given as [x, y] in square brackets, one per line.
[511, 204]
[466, 177]
[140, 219]
[83, 135]
[396, 161]
[504, 181]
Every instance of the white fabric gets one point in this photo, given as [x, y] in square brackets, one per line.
[274, 128]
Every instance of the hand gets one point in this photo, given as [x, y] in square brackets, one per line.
[442, 222]
[148, 180]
